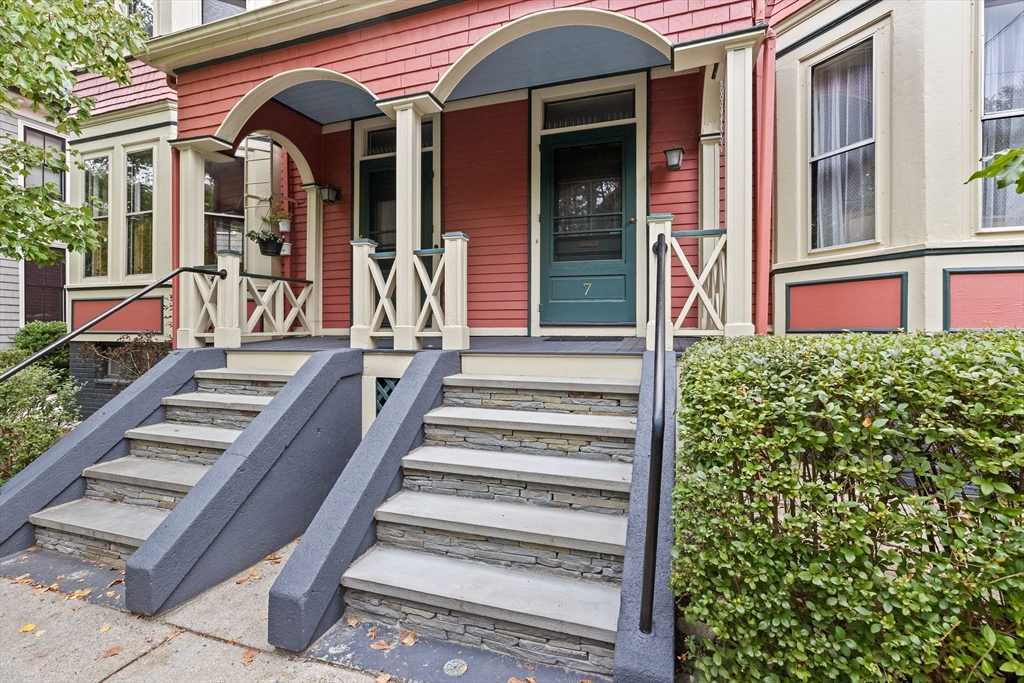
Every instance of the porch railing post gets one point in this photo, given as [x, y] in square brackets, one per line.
[739, 190]
[227, 331]
[362, 295]
[659, 224]
[455, 334]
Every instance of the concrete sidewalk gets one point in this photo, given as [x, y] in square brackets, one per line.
[219, 636]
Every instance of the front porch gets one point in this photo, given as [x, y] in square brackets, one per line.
[479, 212]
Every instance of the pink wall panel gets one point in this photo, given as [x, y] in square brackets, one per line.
[486, 196]
[143, 315]
[986, 300]
[861, 304]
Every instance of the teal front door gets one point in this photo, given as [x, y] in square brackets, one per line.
[588, 227]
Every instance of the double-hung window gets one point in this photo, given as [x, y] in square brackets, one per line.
[97, 196]
[139, 216]
[1002, 121]
[42, 176]
[843, 149]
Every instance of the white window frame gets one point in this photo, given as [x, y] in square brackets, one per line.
[152, 147]
[981, 118]
[809, 65]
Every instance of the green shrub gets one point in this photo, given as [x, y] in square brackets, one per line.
[37, 408]
[850, 507]
[37, 335]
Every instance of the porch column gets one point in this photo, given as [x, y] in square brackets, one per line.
[660, 224]
[408, 113]
[739, 173]
[314, 259]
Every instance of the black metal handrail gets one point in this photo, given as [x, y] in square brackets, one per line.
[657, 445]
[137, 295]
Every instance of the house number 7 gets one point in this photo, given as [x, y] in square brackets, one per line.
[586, 288]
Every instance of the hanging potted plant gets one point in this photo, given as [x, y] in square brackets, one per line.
[278, 216]
[270, 242]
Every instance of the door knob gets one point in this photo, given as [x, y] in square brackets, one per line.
[632, 220]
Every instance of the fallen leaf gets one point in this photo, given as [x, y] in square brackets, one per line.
[408, 637]
[272, 559]
[105, 628]
[28, 627]
[59, 577]
[514, 680]
[1, 615]
[372, 633]
[54, 587]
[116, 650]
[586, 680]
[248, 656]
[173, 634]
[80, 581]
[255, 575]
[110, 594]
[75, 609]
[40, 632]
[352, 621]
[231, 641]
[867, 421]
[32, 549]
[529, 667]
[383, 678]
[531, 679]
[78, 595]
[114, 583]
[380, 645]
[24, 578]
[149, 639]
[242, 580]
[40, 590]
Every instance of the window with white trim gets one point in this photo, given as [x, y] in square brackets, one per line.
[97, 196]
[42, 176]
[139, 214]
[843, 149]
[1002, 120]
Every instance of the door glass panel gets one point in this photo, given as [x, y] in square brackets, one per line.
[382, 209]
[588, 217]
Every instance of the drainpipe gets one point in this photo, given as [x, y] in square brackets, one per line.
[765, 103]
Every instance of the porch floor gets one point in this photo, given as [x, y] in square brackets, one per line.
[593, 346]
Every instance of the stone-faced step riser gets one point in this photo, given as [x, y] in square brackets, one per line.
[504, 552]
[166, 451]
[243, 387]
[538, 399]
[516, 640]
[511, 491]
[97, 550]
[131, 494]
[534, 443]
[211, 417]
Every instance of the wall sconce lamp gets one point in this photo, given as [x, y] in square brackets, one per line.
[674, 158]
[329, 194]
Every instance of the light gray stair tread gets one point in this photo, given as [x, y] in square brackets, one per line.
[210, 400]
[533, 421]
[185, 435]
[126, 524]
[552, 527]
[167, 475]
[541, 469]
[574, 384]
[245, 375]
[581, 608]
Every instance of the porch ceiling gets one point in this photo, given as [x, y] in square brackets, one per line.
[328, 101]
[555, 55]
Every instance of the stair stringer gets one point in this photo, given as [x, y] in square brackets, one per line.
[307, 599]
[55, 477]
[261, 493]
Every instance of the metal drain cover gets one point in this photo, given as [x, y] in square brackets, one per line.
[455, 667]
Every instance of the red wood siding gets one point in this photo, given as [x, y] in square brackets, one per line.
[486, 196]
[410, 54]
[872, 304]
[296, 263]
[148, 85]
[986, 300]
[675, 105]
[143, 315]
[337, 298]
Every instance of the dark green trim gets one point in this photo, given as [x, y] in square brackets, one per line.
[384, 254]
[827, 27]
[683, 234]
[317, 36]
[899, 256]
[116, 134]
[947, 272]
[428, 252]
[827, 330]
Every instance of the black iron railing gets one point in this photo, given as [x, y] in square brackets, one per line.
[657, 445]
[100, 318]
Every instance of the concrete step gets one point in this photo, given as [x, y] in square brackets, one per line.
[549, 527]
[231, 411]
[592, 437]
[553, 604]
[96, 530]
[194, 443]
[578, 395]
[260, 382]
[146, 482]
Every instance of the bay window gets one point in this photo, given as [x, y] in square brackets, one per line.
[1002, 121]
[139, 215]
[97, 196]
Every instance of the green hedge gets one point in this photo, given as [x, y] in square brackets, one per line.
[37, 335]
[850, 507]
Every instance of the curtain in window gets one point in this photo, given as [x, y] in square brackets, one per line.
[1002, 124]
[843, 150]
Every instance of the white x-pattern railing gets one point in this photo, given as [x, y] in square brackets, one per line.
[707, 280]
